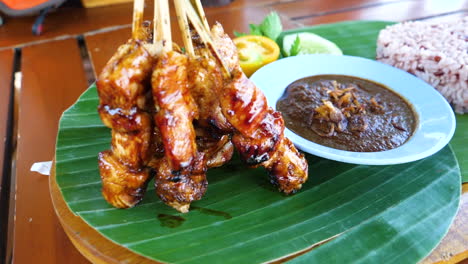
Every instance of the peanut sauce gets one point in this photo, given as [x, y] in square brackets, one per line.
[347, 113]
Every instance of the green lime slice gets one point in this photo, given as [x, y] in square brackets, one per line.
[310, 44]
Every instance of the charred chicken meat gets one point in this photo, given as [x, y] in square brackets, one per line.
[174, 115]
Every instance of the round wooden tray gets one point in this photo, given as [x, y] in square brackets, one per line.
[97, 248]
[94, 246]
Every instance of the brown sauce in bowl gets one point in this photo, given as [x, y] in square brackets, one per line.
[347, 113]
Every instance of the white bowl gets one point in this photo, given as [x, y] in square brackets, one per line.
[436, 120]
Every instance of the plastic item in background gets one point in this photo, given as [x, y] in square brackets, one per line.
[29, 8]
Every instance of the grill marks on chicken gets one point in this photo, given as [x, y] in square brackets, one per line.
[287, 168]
[176, 109]
[180, 175]
[262, 144]
[124, 107]
[212, 128]
[225, 47]
[207, 84]
[243, 104]
[121, 187]
[259, 130]
[124, 80]
[179, 188]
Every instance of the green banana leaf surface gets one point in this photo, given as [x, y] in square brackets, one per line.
[459, 143]
[349, 213]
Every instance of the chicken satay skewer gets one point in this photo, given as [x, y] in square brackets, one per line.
[180, 175]
[259, 133]
[171, 96]
[212, 129]
[124, 108]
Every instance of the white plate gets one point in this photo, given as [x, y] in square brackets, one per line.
[436, 121]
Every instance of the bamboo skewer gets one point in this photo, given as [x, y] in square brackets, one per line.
[138, 6]
[162, 26]
[204, 35]
[201, 13]
[184, 27]
[157, 34]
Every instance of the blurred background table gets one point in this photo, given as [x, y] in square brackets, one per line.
[57, 66]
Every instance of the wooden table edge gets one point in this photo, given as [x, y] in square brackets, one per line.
[81, 235]
[88, 241]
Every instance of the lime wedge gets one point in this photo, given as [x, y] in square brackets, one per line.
[310, 44]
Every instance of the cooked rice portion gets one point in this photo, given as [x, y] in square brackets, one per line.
[436, 53]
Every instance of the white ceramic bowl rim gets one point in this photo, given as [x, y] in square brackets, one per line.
[436, 120]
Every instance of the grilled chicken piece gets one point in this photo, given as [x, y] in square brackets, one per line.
[180, 189]
[220, 153]
[123, 88]
[206, 86]
[269, 148]
[132, 149]
[288, 169]
[217, 146]
[131, 135]
[225, 47]
[175, 109]
[123, 82]
[259, 130]
[262, 144]
[180, 174]
[121, 186]
[212, 128]
[243, 104]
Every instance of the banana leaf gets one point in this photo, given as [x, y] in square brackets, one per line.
[345, 212]
[459, 144]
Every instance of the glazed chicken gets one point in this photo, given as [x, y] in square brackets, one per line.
[180, 175]
[259, 130]
[125, 106]
[190, 122]
[175, 115]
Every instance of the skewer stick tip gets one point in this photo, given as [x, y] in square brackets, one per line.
[205, 35]
[184, 26]
[137, 23]
[162, 26]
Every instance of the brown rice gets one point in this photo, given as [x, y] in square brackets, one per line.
[436, 53]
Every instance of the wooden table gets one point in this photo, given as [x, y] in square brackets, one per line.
[59, 65]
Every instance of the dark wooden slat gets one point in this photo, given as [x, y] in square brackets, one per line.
[236, 4]
[65, 21]
[53, 78]
[399, 11]
[69, 21]
[102, 46]
[239, 19]
[306, 8]
[6, 73]
[75, 21]
[447, 17]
